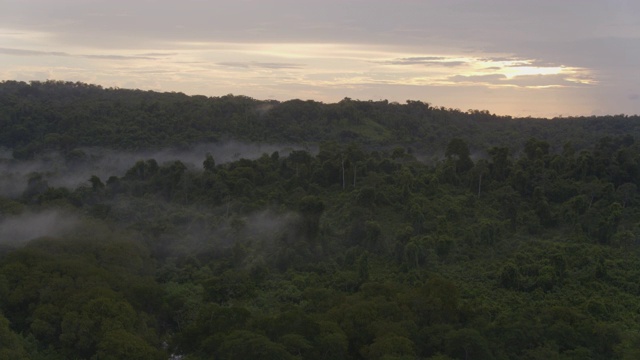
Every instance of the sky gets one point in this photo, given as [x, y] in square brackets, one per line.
[539, 58]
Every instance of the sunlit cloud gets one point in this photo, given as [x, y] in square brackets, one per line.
[519, 57]
[511, 72]
[257, 65]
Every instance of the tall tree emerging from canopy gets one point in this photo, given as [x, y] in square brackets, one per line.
[311, 208]
[458, 151]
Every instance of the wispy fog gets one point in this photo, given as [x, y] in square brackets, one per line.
[213, 229]
[61, 172]
[266, 224]
[17, 230]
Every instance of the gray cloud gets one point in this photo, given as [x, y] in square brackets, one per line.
[470, 24]
[23, 52]
[116, 57]
[538, 63]
[243, 65]
[159, 54]
[491, 78]
[608, 54]
[260, 65]
[500, 59]
[426, 60]
[423, 58]
[276, 65]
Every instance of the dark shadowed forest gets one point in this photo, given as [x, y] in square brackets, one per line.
[145, 225]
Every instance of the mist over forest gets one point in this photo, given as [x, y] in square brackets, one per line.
[144, 225]
[76, 168]
[19, 229]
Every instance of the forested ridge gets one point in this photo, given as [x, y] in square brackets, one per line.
[41, 116]
[413, 232]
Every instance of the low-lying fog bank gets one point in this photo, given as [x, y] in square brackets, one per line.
[76, 168]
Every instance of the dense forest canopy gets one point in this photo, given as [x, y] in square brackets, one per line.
[40, 116]
[517, 239]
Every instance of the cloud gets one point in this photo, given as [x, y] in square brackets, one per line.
[426, 60]
[276, 65]
[483, 37]
[523, 81]
[536, 63]
[260, 65]
[24, 52]
[157, 54]
[501, 59]
[540, 81]
[634, 97]
[243, 65]
[491, 78]
[117, 57]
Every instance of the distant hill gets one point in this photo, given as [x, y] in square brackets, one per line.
[39, 116]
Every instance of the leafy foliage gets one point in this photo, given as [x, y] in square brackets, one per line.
[362, 250]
